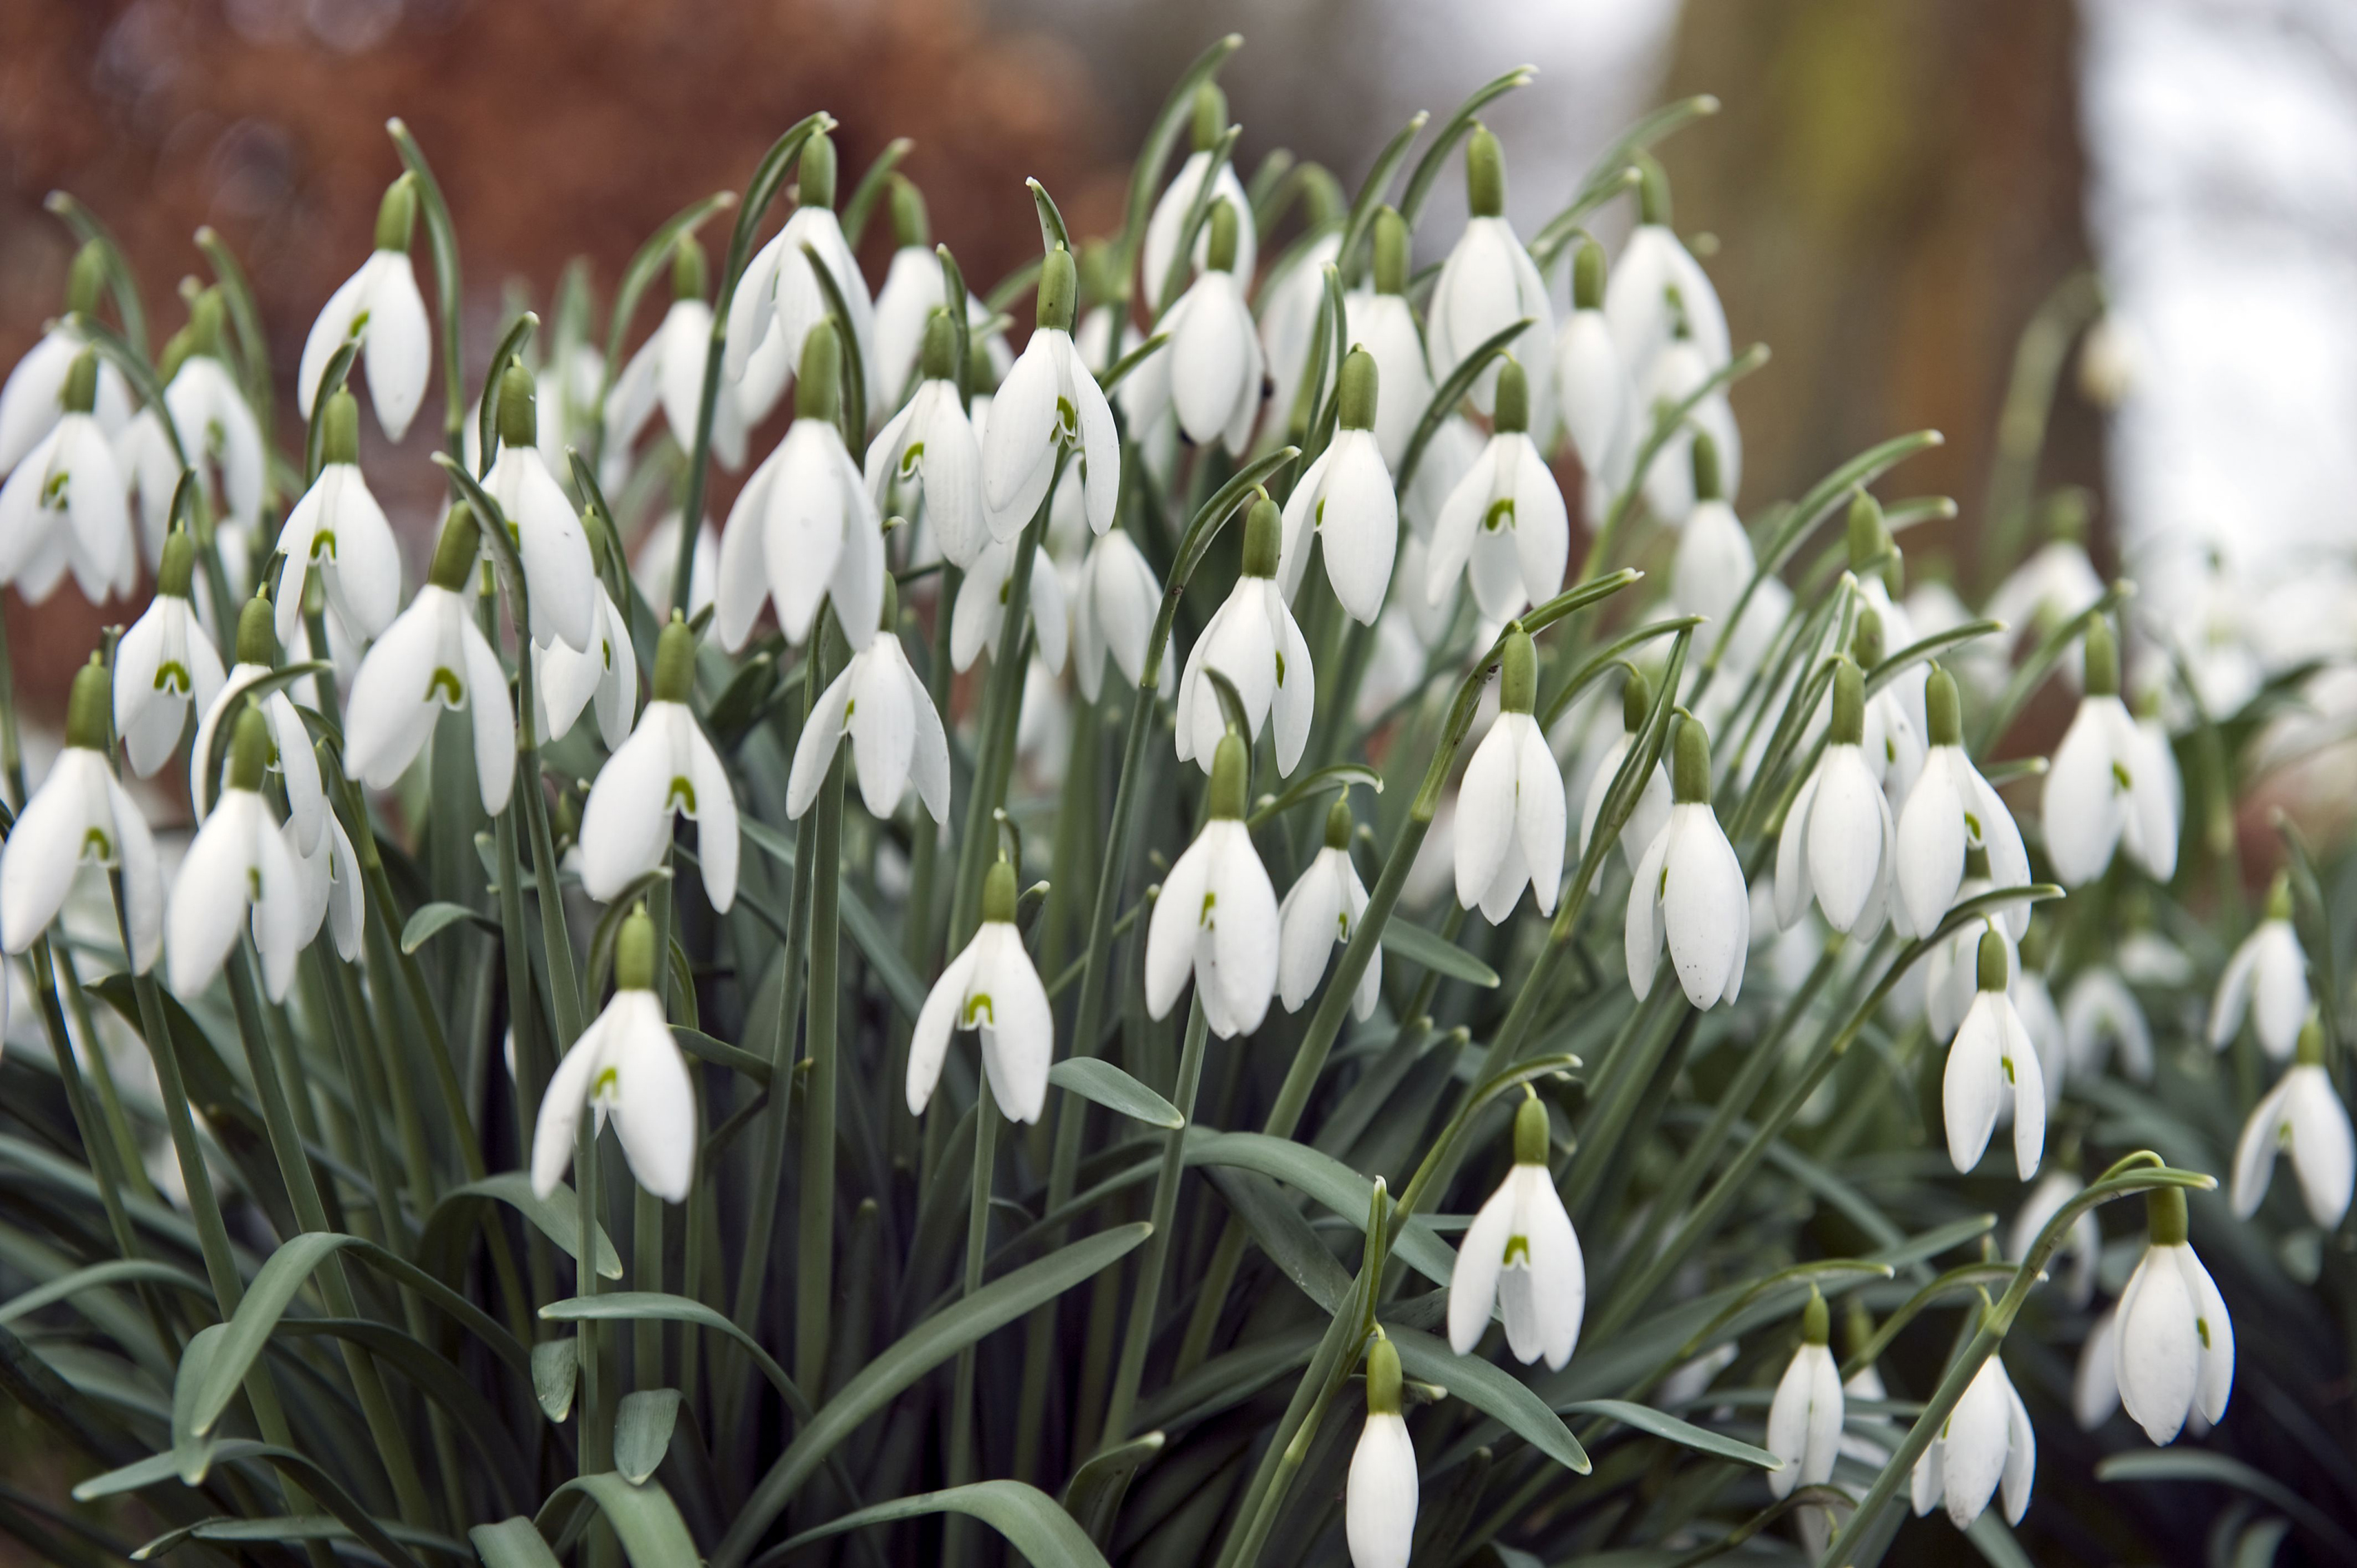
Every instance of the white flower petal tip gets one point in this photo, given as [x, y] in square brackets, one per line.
[992, 988]
[1511, 821]
[2302, 1118]
[1993, 1068]
[1987, 1443]
[1317, 915]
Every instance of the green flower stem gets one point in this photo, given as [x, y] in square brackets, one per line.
[442, 236]
[814, 1240]
[1146, 1303]
[593, 1350]
[133, 1170]
[104, 1158]
[957, 1539]
[1632, 1069]
[2038, 358]
[647, 1264]
[2032, 672]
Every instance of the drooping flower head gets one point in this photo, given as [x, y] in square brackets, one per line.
[33, 395]
[1804, 1420]
[897, 737]
[1487, 283]
[1838, 844]
[1215, 366]
[1650, 814]
[1688, 891]
[992, 988]
[1510, 806]
[2176, 1343]
[780, 301]
[1987, 1443]
[559, 576]
[1318, 915]
[1379, 320]
[666, 768]
[1345, 500]
[1505, 519]
[1993, 1064]
[1951, 810]
[380, 309]
[929, 447]
[1254, 641]
[289, 756]
[2113, 783]
[1216, 917]
[1167, 228]
[2302, 1116]
[1522, 1256]
[66, 507]
[627, 1066]
[2266, 979]
[1049, 404]
[239, 864]
[1380, 1500]
[338, 532]
[165, 665]
[667, 372]
[219, 434]
[1592, 388]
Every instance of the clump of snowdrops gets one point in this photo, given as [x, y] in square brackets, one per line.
[1352, 1036]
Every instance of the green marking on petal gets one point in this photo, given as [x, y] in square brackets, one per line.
[681, 796]
[53, 494]
[1500, 515]
[607, 1085]
[254, 883]
[1518, 1247]
[2120, 779]
[977, 1005]
[172, 678]
[1972, 828]
[444, 684]
[1068, 420]
[323, 543]
[97, 846]
[1280, 667]
[2201, 1327]
[1006, 587]
[911, 458]
[2007, 1063]
[1204, 916]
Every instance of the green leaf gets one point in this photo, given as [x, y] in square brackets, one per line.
[1436, 157]
[916, 1353]
[1093, 1496]
[1491, 1390]
[1429, 950]
[2201, 1464]
[871, 190]
[644, 1518]
[188, 1388]
[1094, 1079]
[99, 1276]
[1145, 178]
[556, 1369]
[511, 1543]
[557, 1216]
[319, 1483]
[643, 1427]
[720, 1053]
[1685, 1433]
[433, 917]
[875, 943]
[265, 1299]
[638, 1305]
[1333, 776]
[1995, 1544]
[1332, 1184]
[651, 257]
[1029, 1518]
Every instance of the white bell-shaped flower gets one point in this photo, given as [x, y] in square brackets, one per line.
[1379, 320]
[1521, 1257]
[2303, 1117]
[657, 561]
[1167, 225]
[1688, 889]
[1252, 640]
[290, 754]
[1991, 1064]
[1115, 603]
[780, 301]
[560, 579]
[1953, 810]
[1320, 913]
[1678, 372]
[1894, 741]
[1049, 403]
[1952, 969]
[1838, 844]
[2095, 1381]
[803, 530]
[667, 767]
[897, 737]
[164, 666]
[328, 891]
[1379, 1502]
[1345, 500]
[1650, 814]
[575, 371]
[1486, 284]
[992, 988]
[218, 434]
[1449, 456]
[65, 506]
[627, 1066]
[1714, 560]
[1986, 1441]
[2113, 783]
[1215, 364]
[914, 289]
[2176, 1344]
[338, 531]
[979, 614]
[33, 395]
[603, 676]
[1505, 519]
[2267, 979]
[238, 866]
[1805, 1419]
[667, 373]
[80, 815]
[1291, 301]
[931, 445]
[1657, 283]
[1511, 807]
[1216, 917]
[2083, 1244]
[381, 307]
[2101, 1014]
[434, 657]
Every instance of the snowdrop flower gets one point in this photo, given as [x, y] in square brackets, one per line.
[1804, 1420]
[239, 864]
[1379, 320]
[1318, 915]
[604, 675]
[2096, 1381]
[1167, 226]
[164, 664]
[1688, 889]
[33, 395]
[1487, 283]
[626, 1064]
[1252, 639]
[914, 289]
[1048, 404]
[992, 988]
[895, 735]
[1715, 560]
[2176, 1344]
[1592, 387]
[290, 754]
[2083, 1243]
[338, 530]
[2301, 1116]
[778, 301]
[666, 766]
[1345, 499]
[1678, 372]
[64, 507]
[1505, 519]
[1379, 1503]
[1894, 717]
[2113, 783]
[1650, 814]
[1988, 1440]
[1953, 810]
[1449, 456]
[80, 815]
[151, 470]
[1991, 1064]
[217, 428]
[1657, 283]
[1522, 1256]
[803, 529]
[980, 611]
[1290, 300]
[930, 444]
[562, 582]
[1951, 969]
[1216, 917]
[2101, 1012]
[1511, 805]
[432, 657]
[1216, 368]
[657, 561]
[1115, 605]
[381, 307]
[2266, 978]
[1838, 842]
[667, 372]
[2052, 587]
[327, 892]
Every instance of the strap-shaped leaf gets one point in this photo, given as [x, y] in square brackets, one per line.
[1687, 1434]
[1094, 1079]
[1431, 951]
[642, 1428]
[433, 917]
[1322, 1176]
[559, 1217]
[644, 1518]
[1029, 1518]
